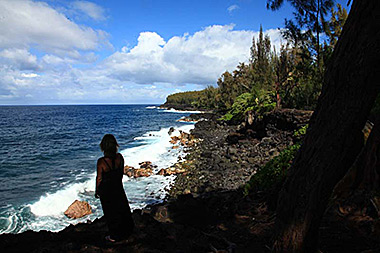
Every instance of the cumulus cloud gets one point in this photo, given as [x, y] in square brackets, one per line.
[197, 59]
[27, 23]
[232, 8]
[19, 59]
[179, 63]
[90, 9]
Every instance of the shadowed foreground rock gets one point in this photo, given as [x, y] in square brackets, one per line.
[221, 221]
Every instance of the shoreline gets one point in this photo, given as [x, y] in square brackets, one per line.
[47, 211]
[207, 210]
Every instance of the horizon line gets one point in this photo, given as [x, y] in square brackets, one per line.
[76, 104]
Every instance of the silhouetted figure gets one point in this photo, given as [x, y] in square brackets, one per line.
[110, 189]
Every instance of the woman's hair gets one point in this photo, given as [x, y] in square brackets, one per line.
[109, 145]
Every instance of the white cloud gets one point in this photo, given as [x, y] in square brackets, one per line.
[29, 75]
[197, 59]
[90, 9]
[19, 59]
[27, 23]
[180, 63]
[232, 8]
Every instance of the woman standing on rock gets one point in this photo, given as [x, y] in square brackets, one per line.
[109, 188]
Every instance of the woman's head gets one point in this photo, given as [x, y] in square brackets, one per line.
[109, 145]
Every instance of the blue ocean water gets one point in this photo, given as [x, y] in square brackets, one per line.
[48, 156]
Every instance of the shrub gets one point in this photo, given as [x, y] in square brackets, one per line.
[258, 101]
[272, 173]
[236, 113]
[300, 133]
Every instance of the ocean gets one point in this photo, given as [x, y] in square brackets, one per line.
[48, 159]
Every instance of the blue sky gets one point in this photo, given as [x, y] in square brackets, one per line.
[116, 52]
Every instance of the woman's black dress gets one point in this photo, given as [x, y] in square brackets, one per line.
[115, 203]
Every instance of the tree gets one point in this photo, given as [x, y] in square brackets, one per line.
[283, 67]
[260, 60]
[334, 137]
[333, 29]
[310, 15]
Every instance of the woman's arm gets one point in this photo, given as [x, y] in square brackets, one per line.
[98, 177]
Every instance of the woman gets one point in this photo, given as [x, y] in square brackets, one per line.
[110, 189]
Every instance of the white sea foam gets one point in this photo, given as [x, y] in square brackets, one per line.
[151, 107]
[56, 203]
[180, 111]
[47, 212]
[156, 150]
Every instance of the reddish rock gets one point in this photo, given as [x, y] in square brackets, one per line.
[128, 170]
[174, 139]
[146, 164]
[170, 171]
[187, 120]
[145, 170]
[78, 209]
[142, 172]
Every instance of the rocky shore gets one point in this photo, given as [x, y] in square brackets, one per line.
[206, 210]
[228, 155]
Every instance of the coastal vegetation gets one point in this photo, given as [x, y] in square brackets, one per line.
[289, 77]
[309, 73]
[273, 173]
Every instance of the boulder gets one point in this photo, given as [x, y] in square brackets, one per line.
[175, 138]
[145, 164]
[145, 170]
[171, 130]
[128, 170]
[142, 172]
[234, 138]
[78, 209]
[184, 135]
[187, 120]
[161, 172]
[170, 171]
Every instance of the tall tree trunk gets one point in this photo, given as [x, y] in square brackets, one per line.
[334, 138]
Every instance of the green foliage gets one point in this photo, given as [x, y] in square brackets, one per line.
[272, 173]
[333, 27]
[203, 99]
[275, 171]
[300, 133]
[292, 78]
[264, 102]
[239, 107]
[258, 101]
[184, 98]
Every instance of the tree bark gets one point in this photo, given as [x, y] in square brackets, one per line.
[334, 137]
[363, 178]
[368, 162]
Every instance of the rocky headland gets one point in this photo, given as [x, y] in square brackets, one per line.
[206, 209]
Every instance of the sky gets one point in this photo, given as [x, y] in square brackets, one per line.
[122, 51]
